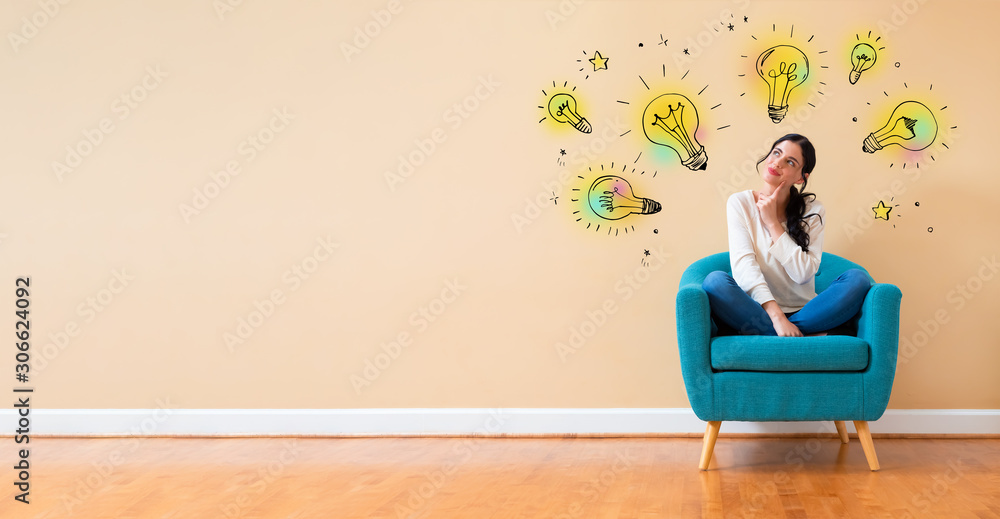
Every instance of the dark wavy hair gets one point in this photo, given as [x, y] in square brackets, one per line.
[795, 217]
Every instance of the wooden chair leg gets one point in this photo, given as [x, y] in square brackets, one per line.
[711, 434]
[842, 431]
[865, 436]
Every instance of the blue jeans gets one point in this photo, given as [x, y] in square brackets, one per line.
[829, 309]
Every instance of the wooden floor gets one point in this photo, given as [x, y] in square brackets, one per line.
[162, 478]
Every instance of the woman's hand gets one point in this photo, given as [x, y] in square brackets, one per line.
[767, 207]
[785, 328]
[781, 324]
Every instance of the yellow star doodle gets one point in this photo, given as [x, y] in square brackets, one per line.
[881, 211]
[599, 62]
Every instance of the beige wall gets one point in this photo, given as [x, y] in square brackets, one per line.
[450, 236]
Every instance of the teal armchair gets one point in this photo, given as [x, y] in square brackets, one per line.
[760, 379]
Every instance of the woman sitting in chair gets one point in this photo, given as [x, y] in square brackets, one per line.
[775, 246]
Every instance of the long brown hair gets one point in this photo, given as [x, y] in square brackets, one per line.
[795, 217]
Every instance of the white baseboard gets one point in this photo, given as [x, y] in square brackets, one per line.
[416, 422]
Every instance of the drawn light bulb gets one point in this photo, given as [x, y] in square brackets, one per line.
[783, 68]
[671, 120]
[862, 58]
[562, 108]
[911, 126]
[611, 198]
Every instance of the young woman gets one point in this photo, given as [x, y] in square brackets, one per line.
[775, 247]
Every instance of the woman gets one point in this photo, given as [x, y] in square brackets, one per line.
[775, 247]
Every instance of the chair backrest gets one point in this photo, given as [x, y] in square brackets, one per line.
[830, 267]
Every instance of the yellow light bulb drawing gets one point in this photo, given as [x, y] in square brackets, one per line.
[671, 120]
[783, 68]
[862, 58]
[611, 198]
[911, 126]
[562, 108]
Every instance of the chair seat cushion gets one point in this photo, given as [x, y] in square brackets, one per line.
[764, 353]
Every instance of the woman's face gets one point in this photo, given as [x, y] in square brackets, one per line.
[784, 164]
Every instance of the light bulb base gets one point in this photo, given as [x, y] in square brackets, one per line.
[855, 75]
[777, 113]
[871, 144]
[650, 206]
[584, 126]
[698, 161]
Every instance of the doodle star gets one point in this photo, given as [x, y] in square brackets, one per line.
[881, 211]
[599, 61]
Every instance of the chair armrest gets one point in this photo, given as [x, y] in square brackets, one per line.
[878, 325]
[693, 339]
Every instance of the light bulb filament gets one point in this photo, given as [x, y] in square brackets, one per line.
[607, 201]
[905, 133]
[781, 80]
[672, 126]
[566, 111]
[862, 60]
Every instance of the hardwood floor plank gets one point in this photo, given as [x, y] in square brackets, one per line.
[505, 478]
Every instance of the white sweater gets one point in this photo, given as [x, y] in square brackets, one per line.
[782, 272]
